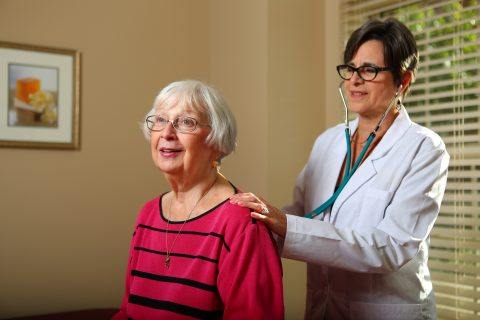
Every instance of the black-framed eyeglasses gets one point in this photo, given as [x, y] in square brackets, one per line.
[367, 73]
[182, 124]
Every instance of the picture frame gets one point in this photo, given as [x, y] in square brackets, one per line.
[39, 97]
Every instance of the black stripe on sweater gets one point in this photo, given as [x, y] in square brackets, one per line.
[198, 233]
[174, 307]
[187, 282]
[174, 254]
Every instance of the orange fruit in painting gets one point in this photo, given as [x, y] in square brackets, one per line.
[26, 87]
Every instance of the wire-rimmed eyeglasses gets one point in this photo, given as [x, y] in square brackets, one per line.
[182, 124]
[367, 73]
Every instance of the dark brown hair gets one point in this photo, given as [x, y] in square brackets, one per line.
[399, 47]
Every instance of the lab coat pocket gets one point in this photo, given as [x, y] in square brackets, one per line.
[373, 208]
[381, 311]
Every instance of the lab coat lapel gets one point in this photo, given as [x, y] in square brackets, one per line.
[367, 169]
[397, 130]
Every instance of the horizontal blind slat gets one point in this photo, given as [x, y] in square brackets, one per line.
[451, 277]
[436, 242]
[448, 116]
[450, 25]
[442, 106]
[454, 233]
[366, 7]
[458, 291]
[471, 222]
[439, 95]
[458, 303]
[447, 313]
[432, 85]
[469, 186]
[454, 256]
[437, 16]
[463, 139]
[451, 36]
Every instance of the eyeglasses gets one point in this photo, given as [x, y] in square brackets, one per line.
[367, 73]
[182, 124]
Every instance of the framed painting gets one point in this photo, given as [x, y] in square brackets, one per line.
[39, 97]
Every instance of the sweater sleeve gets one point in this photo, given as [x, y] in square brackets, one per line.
[250, 277]
[122, 313]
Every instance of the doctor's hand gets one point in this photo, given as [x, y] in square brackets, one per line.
[273, 218]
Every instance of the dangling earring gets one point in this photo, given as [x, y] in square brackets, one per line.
[215, 164]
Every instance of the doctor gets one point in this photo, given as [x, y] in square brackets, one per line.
[367, 252]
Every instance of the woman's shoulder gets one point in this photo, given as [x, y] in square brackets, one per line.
[429, 139]
[228, 212]
[235, 217]
[148, 209]
[152, 204]
[236, 221]
[236, 214]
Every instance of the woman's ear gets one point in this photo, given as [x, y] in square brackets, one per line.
[406, 79]
[215, 161]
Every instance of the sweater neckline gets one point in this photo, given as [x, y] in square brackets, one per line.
[160, 200]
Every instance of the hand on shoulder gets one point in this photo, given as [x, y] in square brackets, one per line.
[273, 218]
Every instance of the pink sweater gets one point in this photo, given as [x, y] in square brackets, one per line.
[223, 265]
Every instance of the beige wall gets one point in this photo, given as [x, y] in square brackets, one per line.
[295, 113]
[238, 68]
[67, 216]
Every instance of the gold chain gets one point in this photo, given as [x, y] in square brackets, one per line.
[168, 252]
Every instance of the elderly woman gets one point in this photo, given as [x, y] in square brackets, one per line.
[362, 214]
[193, 253]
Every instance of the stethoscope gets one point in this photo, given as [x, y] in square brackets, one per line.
[349, 169]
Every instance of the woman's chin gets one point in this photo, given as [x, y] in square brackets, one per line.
[168, 167]
[357, 107]
[169, 170]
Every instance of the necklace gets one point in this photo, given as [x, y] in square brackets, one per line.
[169, 252]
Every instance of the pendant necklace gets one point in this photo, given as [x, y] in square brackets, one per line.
[169, 252]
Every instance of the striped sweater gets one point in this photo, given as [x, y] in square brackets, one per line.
[223, 265]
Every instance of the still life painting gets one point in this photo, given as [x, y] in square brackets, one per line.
[33, 96]
[39, 97]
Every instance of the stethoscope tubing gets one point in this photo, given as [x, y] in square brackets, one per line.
[349, 169]
[346, 177]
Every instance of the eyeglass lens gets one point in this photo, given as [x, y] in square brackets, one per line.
[364, 72]
[183, 124]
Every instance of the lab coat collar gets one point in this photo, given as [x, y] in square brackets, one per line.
[396, 130]
[367, 169]
[393, 134]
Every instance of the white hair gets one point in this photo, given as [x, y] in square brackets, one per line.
[205, 100]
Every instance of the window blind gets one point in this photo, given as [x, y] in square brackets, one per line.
[446, 99]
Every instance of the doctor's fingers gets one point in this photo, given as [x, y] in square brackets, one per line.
[254, 204]
[276, 220]
[245, 197]
[248, 200]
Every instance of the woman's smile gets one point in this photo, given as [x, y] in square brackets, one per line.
[170, 152]
[355, 94]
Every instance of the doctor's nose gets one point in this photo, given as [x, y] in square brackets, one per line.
[355, 79]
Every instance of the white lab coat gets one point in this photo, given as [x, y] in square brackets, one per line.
[367, 257]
